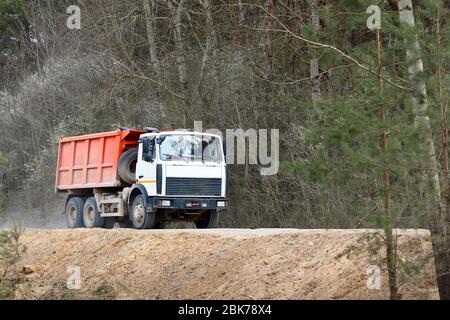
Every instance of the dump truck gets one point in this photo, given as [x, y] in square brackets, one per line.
[142, 178]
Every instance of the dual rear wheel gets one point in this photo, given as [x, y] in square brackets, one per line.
[84, 213]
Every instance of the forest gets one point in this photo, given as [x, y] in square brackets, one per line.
[358, 89]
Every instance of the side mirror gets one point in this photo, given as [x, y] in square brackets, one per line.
[224, 146]
[148, 147]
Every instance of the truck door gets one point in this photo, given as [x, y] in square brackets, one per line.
[146, 165]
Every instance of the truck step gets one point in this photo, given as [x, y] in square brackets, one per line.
[110, 201]
[110, 214]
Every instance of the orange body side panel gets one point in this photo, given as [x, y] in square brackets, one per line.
[90, 161]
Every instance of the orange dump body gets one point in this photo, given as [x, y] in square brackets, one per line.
[90, 161]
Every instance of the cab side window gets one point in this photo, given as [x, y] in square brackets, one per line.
[148, 149]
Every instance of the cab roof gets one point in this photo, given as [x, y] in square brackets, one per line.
[178, 132]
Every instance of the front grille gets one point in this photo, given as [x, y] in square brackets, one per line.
[193, 186]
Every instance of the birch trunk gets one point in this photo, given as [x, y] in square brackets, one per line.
[420, 103]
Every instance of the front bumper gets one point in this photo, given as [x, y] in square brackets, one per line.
[183, 203]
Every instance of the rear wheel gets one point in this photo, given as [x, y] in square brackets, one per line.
[74, 213]
[91, 214]
[109, 223]
[125, 223]
[139, 216]
[208, 219]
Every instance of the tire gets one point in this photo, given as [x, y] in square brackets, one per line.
[127, 166]
[109, 223]
[74, 213]
[126, 223]
[91, 214]
[139, 217]
[160, 224]
[209, 219]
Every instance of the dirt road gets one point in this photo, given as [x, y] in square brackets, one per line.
[220, 264]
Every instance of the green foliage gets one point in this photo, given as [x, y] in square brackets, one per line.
[12, 35]
[104, 291]
[345, 130]
[10, 11]
[11, 249]
[10, 246]
[4, 162]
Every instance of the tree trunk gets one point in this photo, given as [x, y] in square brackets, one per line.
[241, 22]
[420, 103]
[391, 262]
[270, 10]
[209, 52]
[391, 241]
[238, 26]
[314, 62]
[445, 144]
[181, 60]
[151, 35]
[269, 64]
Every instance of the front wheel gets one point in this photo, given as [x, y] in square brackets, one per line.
[140, 218]
[209, 219]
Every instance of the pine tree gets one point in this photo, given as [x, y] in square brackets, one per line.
[345, 133]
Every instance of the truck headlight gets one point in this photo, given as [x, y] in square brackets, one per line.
[164, 203]
[221, 204]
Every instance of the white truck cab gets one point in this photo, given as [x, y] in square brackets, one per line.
[173, 164]
[180, 175]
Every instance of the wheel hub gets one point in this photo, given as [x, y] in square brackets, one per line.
[90, 215]
[72, 214]
[138, 213]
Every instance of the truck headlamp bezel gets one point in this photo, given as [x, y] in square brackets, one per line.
[221, 204]
[165, 203]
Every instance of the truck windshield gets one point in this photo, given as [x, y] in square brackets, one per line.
[190, 148]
